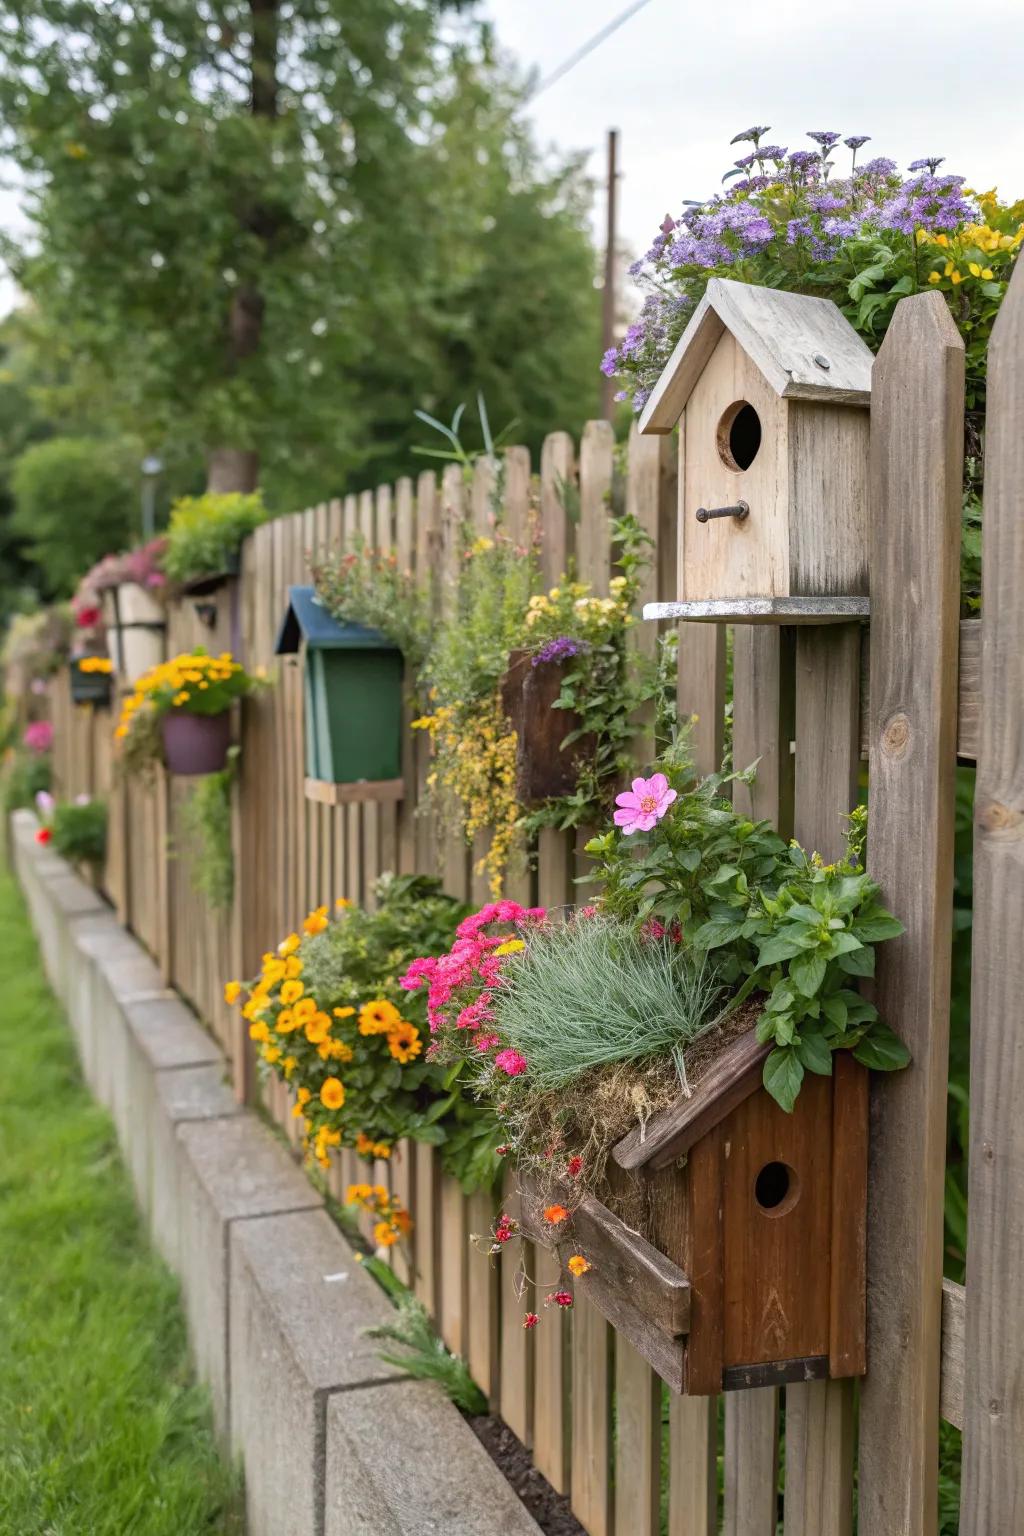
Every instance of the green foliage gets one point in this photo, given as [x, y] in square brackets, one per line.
[367, 587]
[206, 533]
[75, 498]
[284, 276]
[345, 965]
[103, 1427]
[595, 992]
[416, 1348]
[80, 831]
[958, 1100]
[774, 920]
[194, 683]
[206, 822]
[24, 776]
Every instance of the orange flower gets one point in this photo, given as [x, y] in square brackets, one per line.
[318, 1027]
[304, 1010]
[291, 991]
[316, 922]
[364, 1145]
[553, 1214]
[378, 1017]
[384, 1235]
[578, 1265]
[232, 989]
[332, 1093]
[289, 945]
[343, 1013]
[286, 1021]
[381, 1149]
[404, 1041]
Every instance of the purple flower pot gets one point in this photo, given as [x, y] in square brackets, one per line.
[195, 744]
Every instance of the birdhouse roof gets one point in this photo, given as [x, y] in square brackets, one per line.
[730, 1079]
[805, 348]
[306, 619]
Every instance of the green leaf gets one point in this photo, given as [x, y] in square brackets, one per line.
[779, 948]
[783, 1074]
[808, 972]
[878, 927]
[860, 962]
[882, 1050]
[815, 1052]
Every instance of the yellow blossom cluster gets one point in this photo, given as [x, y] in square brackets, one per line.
[393, 1220]
[102, 664]
[193, 680]
[956, 255]
[587, 609]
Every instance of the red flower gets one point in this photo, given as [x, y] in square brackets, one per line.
[85, 618]
[574, 1166]
[530, 1320]
[560, 1299]
[503, 1151]
[43, 834]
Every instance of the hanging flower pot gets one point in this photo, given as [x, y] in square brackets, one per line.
[90, 680]
[195, 744]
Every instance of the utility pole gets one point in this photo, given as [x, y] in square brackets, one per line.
[608, 326]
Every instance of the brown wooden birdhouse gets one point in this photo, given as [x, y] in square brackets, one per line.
[747, 1267]
[771, 393]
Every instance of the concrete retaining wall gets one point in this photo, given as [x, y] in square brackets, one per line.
[334, 1443]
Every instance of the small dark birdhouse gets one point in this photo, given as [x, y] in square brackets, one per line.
[749, 1269]
[353, 703]
[771, 392]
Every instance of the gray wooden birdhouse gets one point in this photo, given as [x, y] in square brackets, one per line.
[771, 392]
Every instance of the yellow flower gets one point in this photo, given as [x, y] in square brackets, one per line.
[381, 1149]
[286, 1021]
[578, 1265]
[510, 947]
[273, 972]
[304, 1010]
[384, 1235]
[292, 967]
[332, 1093]
[335, 1050]
[289, 945]
[364, 1145]
[271, 1053]
[357, 1194]
[289, 1064]
[987, 274]
[303, 1096]
[935, 277]
[957, 278]
[378, 1017]
[318, 1028]
[259, 1031]
[341, 902]
[974, 269]
[343, 1013]
[404, 1041]
[232, 991]
[316, 922]
[291, 991]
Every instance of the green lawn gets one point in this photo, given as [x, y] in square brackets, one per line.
[103, 1430]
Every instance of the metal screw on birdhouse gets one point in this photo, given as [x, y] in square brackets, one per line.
[822, 361]
[739, 511]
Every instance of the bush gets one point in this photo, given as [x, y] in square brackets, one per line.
[80, 830]
[206, 533]
[26, 775]
[74, 499]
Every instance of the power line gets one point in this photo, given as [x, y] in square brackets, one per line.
[588, 47]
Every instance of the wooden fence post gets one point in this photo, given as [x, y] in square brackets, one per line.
[916, 476]
[993, 1460]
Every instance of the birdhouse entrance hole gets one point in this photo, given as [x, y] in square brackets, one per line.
[776, 1189]
[739, 435]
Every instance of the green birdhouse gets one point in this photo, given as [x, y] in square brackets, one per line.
[353, 695]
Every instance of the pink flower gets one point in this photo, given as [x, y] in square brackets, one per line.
[510, 1062]
[653, 929]
[644, 804]
[38, 736]
[44, 801]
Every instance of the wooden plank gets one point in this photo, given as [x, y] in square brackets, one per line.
[455, 862]
[954, 1353]
[916, 472]
[428, 1198]
[848, 1279]
[405, 554]
[403, 1190]
[551, 1374]
[637, 1443]
[592, 1501]
[731, 1078]
[764, 723]
[993, 1474]
[427, 560]
[707, 1266]
[363, 792]
[593, 547]
[751, 1452]
[968, 714]
[518, 1297]
[453, 1238]
[483, 1284]
[814, 611]
[557, 486]
[819, 1459]
[692, 1466]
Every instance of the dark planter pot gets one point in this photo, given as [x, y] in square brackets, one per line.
[90, 687]
[195, 744]
[544, 768]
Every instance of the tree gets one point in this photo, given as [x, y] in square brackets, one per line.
[276, 227]
[75, 500]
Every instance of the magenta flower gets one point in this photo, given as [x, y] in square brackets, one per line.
[38, 736]
[644, 804]
[510, 1062]
[44, 802]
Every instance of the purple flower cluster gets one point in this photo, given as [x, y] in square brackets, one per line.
[559, 650]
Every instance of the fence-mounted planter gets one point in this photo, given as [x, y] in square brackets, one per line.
[771, 392]
[136, 624]
[749, 1270]
[544, 768]
[212, 581]
[353, 703]
[195, 744]
[89, 687]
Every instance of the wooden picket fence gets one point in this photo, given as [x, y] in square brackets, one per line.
[913, 693]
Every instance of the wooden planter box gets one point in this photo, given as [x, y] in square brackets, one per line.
[750, 1268]
[544, 768]
[353, 678]
[136, 625]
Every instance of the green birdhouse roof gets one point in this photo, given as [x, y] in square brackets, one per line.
[307, 620]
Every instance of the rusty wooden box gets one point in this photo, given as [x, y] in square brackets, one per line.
[748, 1267]
[529, 694]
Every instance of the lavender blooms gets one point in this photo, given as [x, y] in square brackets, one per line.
[559, 649]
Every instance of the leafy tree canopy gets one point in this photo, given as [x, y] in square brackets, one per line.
[75, 499]
[273, 228]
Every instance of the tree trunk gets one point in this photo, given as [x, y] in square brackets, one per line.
[230, 468]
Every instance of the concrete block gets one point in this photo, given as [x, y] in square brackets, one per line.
[300, 1307]
[159, 1035]
[180, 1095]
[228, 1170]
[100, 1024]
[401, 1461]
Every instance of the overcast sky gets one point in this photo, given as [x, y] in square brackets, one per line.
[681, 77]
